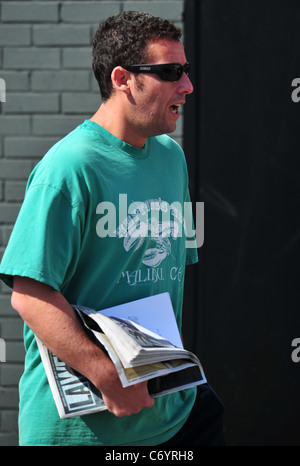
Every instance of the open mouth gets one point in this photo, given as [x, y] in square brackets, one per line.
[175, 109]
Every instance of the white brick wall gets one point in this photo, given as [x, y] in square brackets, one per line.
[45, 60]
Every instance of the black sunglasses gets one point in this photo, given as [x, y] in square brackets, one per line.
[166, 72]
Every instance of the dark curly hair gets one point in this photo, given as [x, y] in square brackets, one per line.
[121, 40]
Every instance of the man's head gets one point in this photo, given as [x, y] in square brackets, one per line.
[122, 40]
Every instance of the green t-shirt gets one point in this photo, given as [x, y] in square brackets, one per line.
[79, 230]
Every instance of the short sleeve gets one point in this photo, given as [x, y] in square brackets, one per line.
[45, 241]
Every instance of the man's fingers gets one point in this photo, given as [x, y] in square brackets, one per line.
[132, 400]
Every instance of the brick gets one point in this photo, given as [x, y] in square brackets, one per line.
[14, 191]
[172, 10]
[88, 12]
[14, 124]
[15, 81]
[5, 232]
[94, 84]
[9, 420]
[30, 12]
[9, 439]
[30, 58]
[15, 170]
[12, 328]
[77, 58]
[9, 397]
[55, 125]
[80, 103]
[60, 80]
[9, 212]
[27, 146]
[32, 103]
[61, 35]
[14, 35]
[15, 352]
[5, 306]
[4, 289]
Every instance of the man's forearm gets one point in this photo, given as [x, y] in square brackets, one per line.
[54, 322]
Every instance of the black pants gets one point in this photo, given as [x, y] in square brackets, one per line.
[204, 426]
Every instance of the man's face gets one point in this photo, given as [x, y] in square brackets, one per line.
[156, 103]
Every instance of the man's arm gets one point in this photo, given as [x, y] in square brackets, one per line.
[53, 320]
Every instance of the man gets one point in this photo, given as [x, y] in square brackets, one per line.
[58, 254]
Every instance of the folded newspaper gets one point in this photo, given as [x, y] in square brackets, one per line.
[143, 341]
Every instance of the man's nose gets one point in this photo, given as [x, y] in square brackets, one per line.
[186, 86]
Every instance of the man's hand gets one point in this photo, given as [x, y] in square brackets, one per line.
[123, 401]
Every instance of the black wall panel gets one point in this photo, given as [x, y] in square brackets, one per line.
[242, 142]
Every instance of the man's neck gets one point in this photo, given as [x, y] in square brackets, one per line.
[112, 118]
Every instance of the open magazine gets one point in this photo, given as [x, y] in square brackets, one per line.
[142, 340]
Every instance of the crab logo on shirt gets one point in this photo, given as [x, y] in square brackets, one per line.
[151, 219]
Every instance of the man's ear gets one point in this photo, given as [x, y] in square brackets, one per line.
[120, 79]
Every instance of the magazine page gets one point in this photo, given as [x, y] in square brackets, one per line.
[139, 373]
[135, 345]
[154, 313]
[150, 325]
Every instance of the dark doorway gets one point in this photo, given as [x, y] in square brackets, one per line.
[241, 131]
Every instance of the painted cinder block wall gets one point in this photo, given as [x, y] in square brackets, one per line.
[45, 62]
